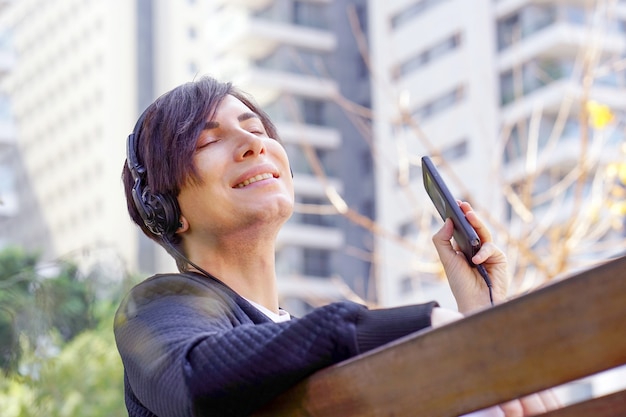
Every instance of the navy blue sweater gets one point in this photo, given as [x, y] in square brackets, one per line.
[192, 347]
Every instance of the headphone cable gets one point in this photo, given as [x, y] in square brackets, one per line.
[189, 261]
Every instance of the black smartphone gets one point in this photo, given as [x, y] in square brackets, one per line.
[464, 234]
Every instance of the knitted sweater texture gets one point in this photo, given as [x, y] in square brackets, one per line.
[193, 347]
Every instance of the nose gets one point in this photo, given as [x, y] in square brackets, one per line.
[250, 145]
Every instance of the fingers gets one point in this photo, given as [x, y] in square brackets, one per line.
[512, 409]
[531, 405]
[550, 400]
[487, 250]
[443, 244]
[472, 217]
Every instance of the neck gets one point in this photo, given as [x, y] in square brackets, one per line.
[248, 269]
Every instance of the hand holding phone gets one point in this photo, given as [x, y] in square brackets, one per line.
[464, 234]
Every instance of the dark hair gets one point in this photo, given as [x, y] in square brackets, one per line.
[167, 141]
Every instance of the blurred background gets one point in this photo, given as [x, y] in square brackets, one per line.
[520, 103]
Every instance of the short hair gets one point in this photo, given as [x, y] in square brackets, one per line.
[167, 138]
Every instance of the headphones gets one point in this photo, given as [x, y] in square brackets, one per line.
[160, 212]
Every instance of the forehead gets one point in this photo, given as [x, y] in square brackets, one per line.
[231, 106]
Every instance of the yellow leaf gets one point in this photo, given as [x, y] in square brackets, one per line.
[600, 115]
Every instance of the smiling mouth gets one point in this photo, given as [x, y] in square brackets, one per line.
[256, 178]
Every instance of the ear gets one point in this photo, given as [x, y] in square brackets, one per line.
[183, 225]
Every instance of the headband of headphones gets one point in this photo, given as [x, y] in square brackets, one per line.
[160, 212]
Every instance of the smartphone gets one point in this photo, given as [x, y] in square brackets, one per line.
[464, 234]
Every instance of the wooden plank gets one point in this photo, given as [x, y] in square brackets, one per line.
[613, 405]
[559, 333]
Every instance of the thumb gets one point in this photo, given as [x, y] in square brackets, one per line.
[442, 242]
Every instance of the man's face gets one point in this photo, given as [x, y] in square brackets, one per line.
[245, 177]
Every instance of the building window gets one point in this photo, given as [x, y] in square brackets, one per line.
[310, 217]
[528, 21]
[431, 54]
[408, 229]
[295, 60]
[315, 112]
[410, 12]
[316, 262]
[310, 14]
[532, 75]
[455, 151]
[300, 162]
[367, 162]
[440, 103]
[406, 285]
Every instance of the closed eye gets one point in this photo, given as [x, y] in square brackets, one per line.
[256, 130]
[205, 143]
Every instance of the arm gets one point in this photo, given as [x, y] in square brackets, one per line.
[194, 351]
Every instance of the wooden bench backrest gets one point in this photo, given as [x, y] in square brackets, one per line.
[562, 332]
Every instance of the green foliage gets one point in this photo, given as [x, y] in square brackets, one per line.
[66, 302]
[9, 343]
[84, 380]
[34, 305]
[57, 349]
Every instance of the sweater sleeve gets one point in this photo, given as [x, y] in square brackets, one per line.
[188, 352]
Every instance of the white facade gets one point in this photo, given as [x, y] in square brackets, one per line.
[72, 100]
[434, 67]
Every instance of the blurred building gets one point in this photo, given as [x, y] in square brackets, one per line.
[72, 98]
[84, 71]
[435, 93]
[9, 207]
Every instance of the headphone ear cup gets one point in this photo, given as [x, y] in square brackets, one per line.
[160, 213]
[169, 216]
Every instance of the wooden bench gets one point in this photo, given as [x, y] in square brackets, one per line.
[565, 331]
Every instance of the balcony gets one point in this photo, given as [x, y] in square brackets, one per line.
[310, 236]
[321, 137]
[251, 4]
[267, 85]
[559, 30]
[559, 40]
[255, 37]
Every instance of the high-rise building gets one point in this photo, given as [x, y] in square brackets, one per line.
[9, 202]
[435, 93]
[72, 99]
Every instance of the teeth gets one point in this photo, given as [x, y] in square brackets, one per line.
[254, 179]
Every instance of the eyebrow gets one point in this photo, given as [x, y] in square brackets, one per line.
[242, 117]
